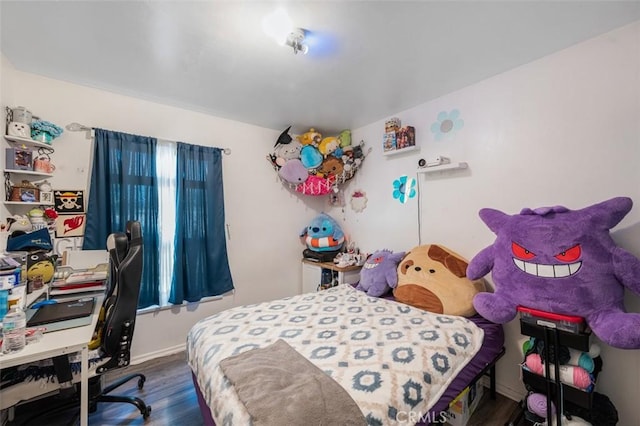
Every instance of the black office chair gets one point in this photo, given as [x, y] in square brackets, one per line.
[120, 310]
[116, 330]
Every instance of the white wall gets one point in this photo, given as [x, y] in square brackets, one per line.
[562, 130]
[264, 218]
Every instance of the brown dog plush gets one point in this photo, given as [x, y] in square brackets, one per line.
[433, 278]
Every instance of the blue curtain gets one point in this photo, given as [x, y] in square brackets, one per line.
[201, 263]
[123, 187]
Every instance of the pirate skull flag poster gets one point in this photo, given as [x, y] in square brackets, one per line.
[69, 201]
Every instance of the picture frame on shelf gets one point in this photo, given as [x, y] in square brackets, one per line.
[389, 142]
[46, 197]
[19, 159]
[24, 194]
[406, 137]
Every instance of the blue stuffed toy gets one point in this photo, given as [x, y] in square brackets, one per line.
[379, 273]
[310, 157]
[323, 234]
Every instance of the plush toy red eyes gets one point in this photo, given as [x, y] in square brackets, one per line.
[521, 252]
[570, 255]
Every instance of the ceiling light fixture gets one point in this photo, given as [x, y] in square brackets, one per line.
[296, 41]
[278, 26]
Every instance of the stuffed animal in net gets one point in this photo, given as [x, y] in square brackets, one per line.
[433, 277]
[379, 273]
[293, 172]
[323, 234]
[561, 261]
[290, 151]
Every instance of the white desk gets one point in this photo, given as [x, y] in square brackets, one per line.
[62, 342]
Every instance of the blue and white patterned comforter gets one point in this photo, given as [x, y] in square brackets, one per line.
[391, 358]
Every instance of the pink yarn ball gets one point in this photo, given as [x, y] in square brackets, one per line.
[534, 363]
[581, 378]
[569, 374]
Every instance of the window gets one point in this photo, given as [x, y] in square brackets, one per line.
[175, 191]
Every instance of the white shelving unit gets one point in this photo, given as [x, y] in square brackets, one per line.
[442, 167]
[33, 177]
[12, 176]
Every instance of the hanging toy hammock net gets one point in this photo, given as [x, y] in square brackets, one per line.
[313, 165]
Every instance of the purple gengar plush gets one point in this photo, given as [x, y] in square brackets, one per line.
[379, 273]
[562, 261]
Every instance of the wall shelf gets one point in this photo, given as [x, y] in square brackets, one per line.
[11, 175]
[27, 172]
[25, 203]
[443, 167]
[401, 150]
[29, 143]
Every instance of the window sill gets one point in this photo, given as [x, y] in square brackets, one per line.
[155, 308]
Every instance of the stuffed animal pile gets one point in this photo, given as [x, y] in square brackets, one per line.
[314, 165]
[429, 277]
[563, 261]
[552, 259]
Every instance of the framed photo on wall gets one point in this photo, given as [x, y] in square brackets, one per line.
[69, 201]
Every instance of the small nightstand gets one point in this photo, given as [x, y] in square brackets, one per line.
[312, 274]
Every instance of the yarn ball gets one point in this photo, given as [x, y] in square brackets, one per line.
[582, 359]
[527, 344]
[537, 404]
[569, 374]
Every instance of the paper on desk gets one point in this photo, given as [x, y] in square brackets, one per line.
[86, 276]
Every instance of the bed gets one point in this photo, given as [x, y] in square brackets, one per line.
[390, 358]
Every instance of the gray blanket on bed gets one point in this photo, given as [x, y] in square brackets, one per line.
[278, 386]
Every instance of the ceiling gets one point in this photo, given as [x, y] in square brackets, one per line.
[367, 60]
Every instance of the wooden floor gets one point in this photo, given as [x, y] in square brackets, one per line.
[498, 412]
[169, 391]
